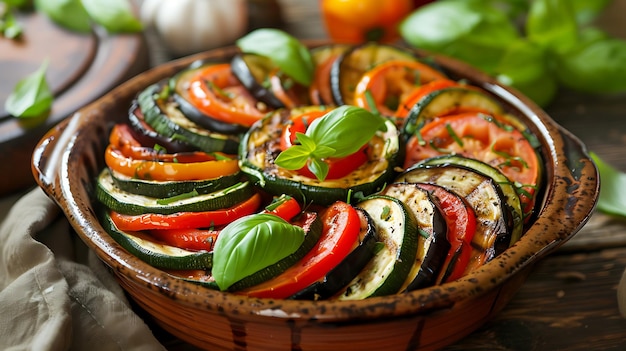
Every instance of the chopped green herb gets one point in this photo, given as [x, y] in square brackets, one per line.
[169, 200]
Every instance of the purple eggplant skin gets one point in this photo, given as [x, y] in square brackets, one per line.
[148, 136]
[436, 255]
[338, 277]
[241, 70]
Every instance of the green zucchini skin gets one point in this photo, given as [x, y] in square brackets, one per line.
[167, 119]
[493, 217]
[347, 70]
[433, 245]
[154, 253]
[444, 100]
[128, 203]
[260, 147]
[164, 189]
[512, 200]
[312, 225]
[180, 84]
[348, 268]
[387, 271]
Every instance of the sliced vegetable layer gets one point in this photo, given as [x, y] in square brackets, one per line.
[336, 172]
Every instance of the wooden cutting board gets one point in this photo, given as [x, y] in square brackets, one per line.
[81, 68]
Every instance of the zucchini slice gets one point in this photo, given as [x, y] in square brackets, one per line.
[350, 66]
[153, 252]
[260, 147]
[494, 220]
[128, 203]
[433, 245]
[164, 189]
[449, 100]
[509, 191]
[348, 268]
[387, 271]
[312, 225]
[166, 118]
[181, 97]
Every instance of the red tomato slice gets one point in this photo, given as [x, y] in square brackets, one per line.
[391, 82]
[186, 220]
[461, 222]
[188, 239]
[481, 137]
[337, 167]
[319, 91]
[216, 92]
[341, 227]
[285, 207]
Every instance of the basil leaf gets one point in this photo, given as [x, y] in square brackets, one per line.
[293, 158]
[285, 51]
[31, 96]
[524, 66]
[552, 24]
[612, 198]
[345, 129]
[473, 31]
[9, 26]
[596, 66]
[319, 168]
[250, 244]
[586, 11]
[116, 16]
[69, 14]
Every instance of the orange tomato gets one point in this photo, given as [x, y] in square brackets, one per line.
[358, 21]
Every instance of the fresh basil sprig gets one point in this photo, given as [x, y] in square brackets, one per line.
[339, 133]
[250, 244]
[285, 51]
[554, 45]
[31, 96]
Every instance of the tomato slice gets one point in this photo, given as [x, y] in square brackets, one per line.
[319, 90]
[483, 137]
[158, 170]
[391, 82]
[341, 227]
[285, 207]
[216, 92]
[122, 138]
[461, 222]
[188, 239]
[186, 220]
[337, 167]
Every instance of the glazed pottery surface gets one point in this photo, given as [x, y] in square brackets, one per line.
[67, 160]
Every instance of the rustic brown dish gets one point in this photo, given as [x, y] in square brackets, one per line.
[68, 158]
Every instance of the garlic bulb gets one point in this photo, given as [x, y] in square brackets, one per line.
[190, 26]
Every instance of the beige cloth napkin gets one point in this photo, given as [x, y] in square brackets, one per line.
[54, 293]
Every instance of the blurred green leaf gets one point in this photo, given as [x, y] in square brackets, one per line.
[552, 24]
[32, 96]
[612, 198]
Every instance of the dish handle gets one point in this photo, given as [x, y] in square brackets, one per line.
[57, 147]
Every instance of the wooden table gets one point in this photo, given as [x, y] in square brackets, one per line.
[569, 301]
